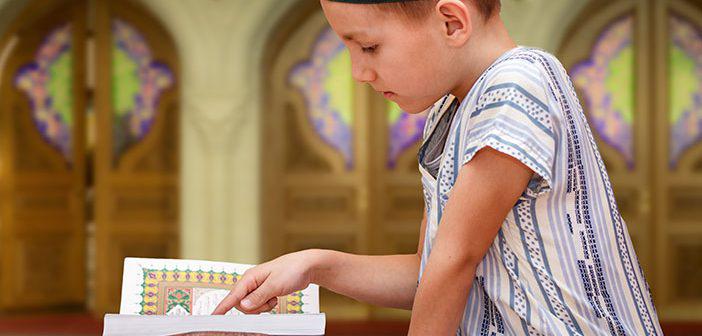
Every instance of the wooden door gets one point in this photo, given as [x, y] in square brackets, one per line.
[339, 162]
[637, 66]
[42, 167]
[137, 149]
[677, 118]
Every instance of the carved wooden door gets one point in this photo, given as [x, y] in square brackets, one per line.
[42, 166]
[136, 149]
[677, 119]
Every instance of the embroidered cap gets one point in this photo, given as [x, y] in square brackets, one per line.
[367, 2]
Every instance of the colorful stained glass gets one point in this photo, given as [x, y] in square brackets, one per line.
[607, 81]
[137, 84]
[48, 83]
[405, 130]
[685, 86]
[326, 83]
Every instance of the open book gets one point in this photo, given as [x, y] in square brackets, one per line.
[172, 297]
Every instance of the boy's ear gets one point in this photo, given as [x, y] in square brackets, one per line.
[456, 17]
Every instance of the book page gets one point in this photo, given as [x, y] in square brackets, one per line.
[194, 287]
[265, 324]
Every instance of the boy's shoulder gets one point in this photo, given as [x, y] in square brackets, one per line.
[532, 71]
[523, 63]
[531, 56]
[524, 67]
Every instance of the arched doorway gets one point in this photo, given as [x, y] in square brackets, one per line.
[340, 169]
[637, 66]
[89, 149]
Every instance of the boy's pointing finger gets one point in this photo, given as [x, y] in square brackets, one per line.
[258, 297]
[241, 288]
[229, 301]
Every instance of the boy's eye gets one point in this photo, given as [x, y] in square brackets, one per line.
[370, 49]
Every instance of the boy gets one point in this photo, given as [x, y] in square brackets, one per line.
[521, 233]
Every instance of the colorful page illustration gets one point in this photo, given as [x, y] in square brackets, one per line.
[194, 287]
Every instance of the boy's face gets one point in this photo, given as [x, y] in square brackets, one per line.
[405, 61]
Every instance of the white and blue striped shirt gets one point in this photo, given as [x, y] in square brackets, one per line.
[562, 262]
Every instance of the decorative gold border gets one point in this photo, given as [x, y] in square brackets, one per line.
[156, 282]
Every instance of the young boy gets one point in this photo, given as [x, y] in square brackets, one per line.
[521, 233]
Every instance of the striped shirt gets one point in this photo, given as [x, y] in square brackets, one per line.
[563, 262]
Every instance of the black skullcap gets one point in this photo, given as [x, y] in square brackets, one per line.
[367, 2]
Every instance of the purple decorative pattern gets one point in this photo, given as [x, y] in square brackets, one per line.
[137, 84]
[606, 80]
[330, 121]
[405, 130]
[685, 92]
[47, 82]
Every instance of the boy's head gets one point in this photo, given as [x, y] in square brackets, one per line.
[414, 52]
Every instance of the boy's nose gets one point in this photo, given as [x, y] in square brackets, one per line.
[362, 74]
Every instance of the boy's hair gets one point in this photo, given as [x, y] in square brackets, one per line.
[419, 9]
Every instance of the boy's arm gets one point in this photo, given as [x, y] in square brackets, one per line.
[382, 280]
[486, 189]
[388, 281]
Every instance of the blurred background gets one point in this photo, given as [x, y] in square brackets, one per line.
[232, 130]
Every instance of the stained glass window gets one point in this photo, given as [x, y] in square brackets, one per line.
[405, 130]
[685, 86]
[137, 83]
[607, 82]
[327, 85]
[48, 83]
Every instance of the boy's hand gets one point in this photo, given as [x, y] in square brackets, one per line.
[258, 289]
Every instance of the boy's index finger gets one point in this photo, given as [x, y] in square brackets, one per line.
[225, 305]
[232, 299]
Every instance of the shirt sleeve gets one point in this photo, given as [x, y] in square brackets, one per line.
[512, 115]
